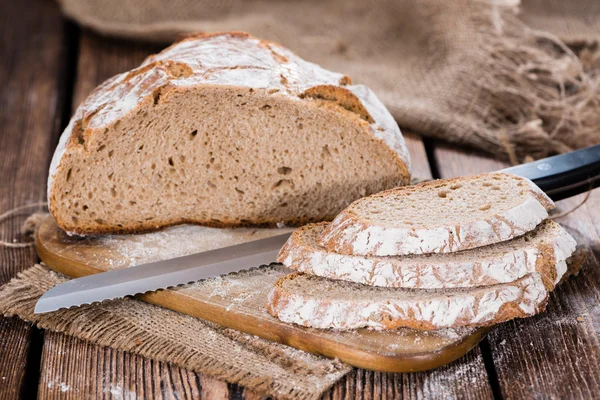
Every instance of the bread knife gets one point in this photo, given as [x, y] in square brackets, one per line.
[559, 176]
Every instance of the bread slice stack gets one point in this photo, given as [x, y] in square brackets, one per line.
[470, 251]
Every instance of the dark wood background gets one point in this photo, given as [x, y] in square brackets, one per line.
[47, 67]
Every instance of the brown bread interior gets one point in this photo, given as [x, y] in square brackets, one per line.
[220, 156]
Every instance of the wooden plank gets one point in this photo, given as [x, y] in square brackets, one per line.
[14, 339]
[555, 354]
[32, 58]
[463, 379]
[75, 369]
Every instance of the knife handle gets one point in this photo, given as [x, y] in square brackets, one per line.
[564, 175]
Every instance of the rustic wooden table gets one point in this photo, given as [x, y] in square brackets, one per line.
[47, 67]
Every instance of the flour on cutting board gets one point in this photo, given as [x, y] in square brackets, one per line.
[131, 250]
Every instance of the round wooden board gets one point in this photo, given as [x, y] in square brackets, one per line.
[238, 300]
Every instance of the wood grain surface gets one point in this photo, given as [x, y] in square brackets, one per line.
[555, 354]
[32, 65]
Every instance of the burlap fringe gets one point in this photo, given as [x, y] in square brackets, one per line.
[113, 324]
[535, 96]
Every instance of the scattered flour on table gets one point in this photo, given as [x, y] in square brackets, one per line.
[62, 386]
[120, 393]
[446, 382]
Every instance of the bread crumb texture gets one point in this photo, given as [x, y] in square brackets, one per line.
[543, 250]
[317, 302]
[441, 216]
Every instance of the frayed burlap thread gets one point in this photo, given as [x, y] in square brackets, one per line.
[165, 335]
[466, 71]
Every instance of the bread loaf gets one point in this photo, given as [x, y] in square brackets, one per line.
[318, 302]
[543, 250]
[441, 216]
[222, 130]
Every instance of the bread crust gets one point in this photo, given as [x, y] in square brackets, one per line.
[350, 233]
[429, 310]
[471, 268]
[230, 59]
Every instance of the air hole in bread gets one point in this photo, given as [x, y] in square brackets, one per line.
[101, 148]
[212, 185]
[284, 170]
[443, 193]
[194, 133]
[156, 96]
[457, 186]
[132, 203]
[282, 184]
[239, 191]
[85, 207]
[110, 153]
[113, 192]
[265, 107]
[171, 163]
[100, 221]
[485, 207]
[69, 174]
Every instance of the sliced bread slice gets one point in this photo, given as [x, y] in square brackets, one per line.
[318, 302]
[441, 216]
[274, 138]
[542, 250]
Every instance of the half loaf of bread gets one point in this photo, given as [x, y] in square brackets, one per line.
[318, 302]
[222, 130]
[543, 250]
[441, 216]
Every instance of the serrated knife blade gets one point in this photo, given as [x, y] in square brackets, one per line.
[161, 274]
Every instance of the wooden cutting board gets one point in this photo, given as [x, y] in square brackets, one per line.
[238, 300]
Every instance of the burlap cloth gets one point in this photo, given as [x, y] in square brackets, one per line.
[514, 80]
[164, 335]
